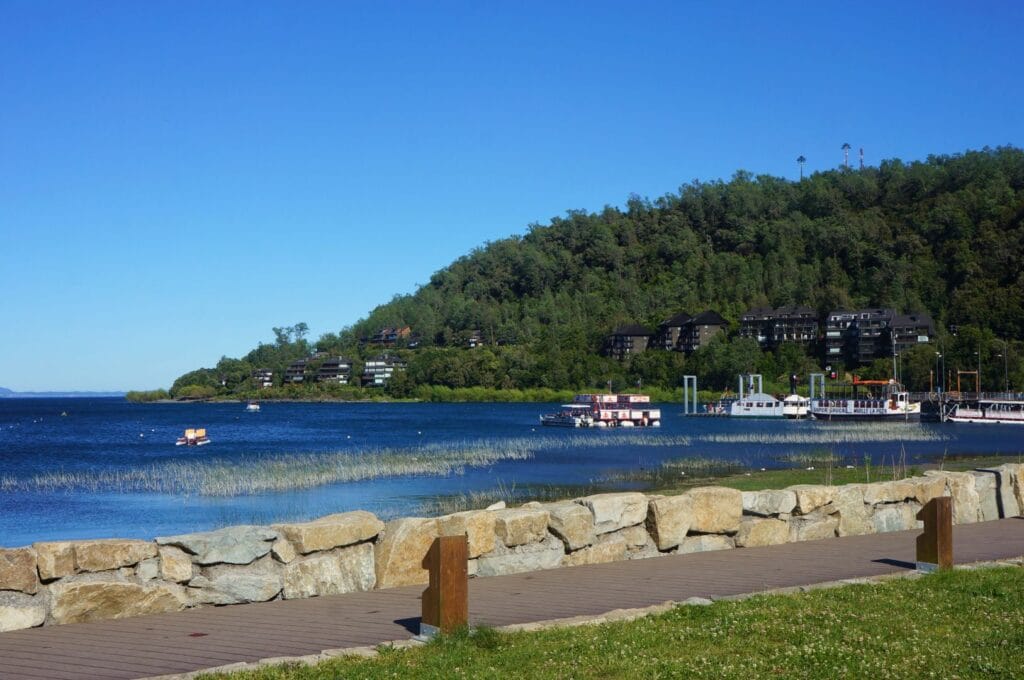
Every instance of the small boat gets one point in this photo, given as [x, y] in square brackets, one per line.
[193, 437]
[253, 406]
[997, 411]
[795, 406]
[571, 415]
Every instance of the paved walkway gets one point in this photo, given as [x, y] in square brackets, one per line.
[205, 638]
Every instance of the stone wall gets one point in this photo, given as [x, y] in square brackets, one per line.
[71, 581]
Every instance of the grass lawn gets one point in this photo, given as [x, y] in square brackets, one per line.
[962, 624]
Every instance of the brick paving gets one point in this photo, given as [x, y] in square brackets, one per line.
[205, 638]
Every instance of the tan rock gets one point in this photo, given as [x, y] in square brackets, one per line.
[988, 503]
[571, 522]
[18, 611]
[148, 569]
[546, 554]
[768, 502]
[669, 519]
[895, 517]
[757, 532]
[283, 551]
[606, 551]
[519, 526]
[634, 537]
[896, 491]
[400, 549]
[346, 570]
[810, 497]
[77, 601]
[966, 502]
[56, 559]
[855, 517]
[175, 564]
[1018, 485]
[614, 511]
[716, 509]
[477, 525]
[707, 543]
[332, 531]
[812, 527]
[928, 488]
[111, 553]
[1006, 499]
[18, 570]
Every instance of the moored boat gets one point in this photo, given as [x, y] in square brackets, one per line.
[606, 410]
[794, 406]
[193, 437]
[993, 411]
[253, 406]
[753, 402]
[892, 404]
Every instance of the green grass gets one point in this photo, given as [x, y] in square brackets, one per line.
[962, 624]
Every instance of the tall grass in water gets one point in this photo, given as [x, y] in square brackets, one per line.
[283, 472]
[832, 434]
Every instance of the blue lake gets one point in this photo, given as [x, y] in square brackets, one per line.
[109, 468]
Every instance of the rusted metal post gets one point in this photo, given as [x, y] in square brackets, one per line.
[935, 545]
[446, 599]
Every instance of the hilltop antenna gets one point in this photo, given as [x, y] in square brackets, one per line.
[846, 155]
[862, 158]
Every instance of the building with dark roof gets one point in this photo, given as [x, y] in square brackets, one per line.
[627, 340]
[772, 327]
[911, 329]
[379, 370]
[296, 371]
[700, 329]
[337, 370]
[669, 331]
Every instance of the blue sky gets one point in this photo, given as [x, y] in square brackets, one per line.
[178, 177]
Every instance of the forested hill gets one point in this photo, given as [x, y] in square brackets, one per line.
[944, 236]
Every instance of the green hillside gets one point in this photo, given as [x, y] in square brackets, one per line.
[943, 236]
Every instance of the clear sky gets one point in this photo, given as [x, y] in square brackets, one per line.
[178, 177]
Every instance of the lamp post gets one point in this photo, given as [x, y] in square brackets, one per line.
[938, 376]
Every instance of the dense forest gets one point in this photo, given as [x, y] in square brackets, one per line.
[943, 236]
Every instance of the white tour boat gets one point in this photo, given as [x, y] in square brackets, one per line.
[252, 407]
[794, 406]
[997, 411]
[193, 437]
[754, 402]
[893, 404]
[571, 415]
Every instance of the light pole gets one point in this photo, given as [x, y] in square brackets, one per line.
[938, 376]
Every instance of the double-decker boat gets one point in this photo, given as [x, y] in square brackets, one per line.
[606, 410]
[997, 411]
[893, 403]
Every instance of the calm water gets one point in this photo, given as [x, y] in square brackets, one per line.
[100, 436]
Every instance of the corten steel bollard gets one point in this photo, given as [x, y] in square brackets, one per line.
[935, 545]
[446, 599]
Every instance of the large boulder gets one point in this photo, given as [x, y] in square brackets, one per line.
[757, 532]
[988, 502]
[810, 497]
[112, 553]
[605, 551]
[237, 584]
[519, 526]
[812, 527]
[400, 549]
[1018, 484]
[530, 557]
[966, 502]
[895, 517]
[18, 570]
[56, 559]
[896, 491]
[633, 537]
[571, 522]
[855, 517]
[715, 509]
[928, 488]
[332, 531]
[706, 543]
[175, 564]
[1003, 481]
[77, 599]
[669, 519]
[18, 610]
[477, 525]
[769, 502]
[345, 570]
[614, 511]
[231, 545]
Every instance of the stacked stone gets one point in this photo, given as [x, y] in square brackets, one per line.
[73, 581]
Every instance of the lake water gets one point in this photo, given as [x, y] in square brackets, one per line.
[93, 468]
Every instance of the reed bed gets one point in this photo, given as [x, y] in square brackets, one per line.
[284, 472]
[853, 433]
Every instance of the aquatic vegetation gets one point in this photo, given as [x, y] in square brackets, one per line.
[283, 472]
[852, 433]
